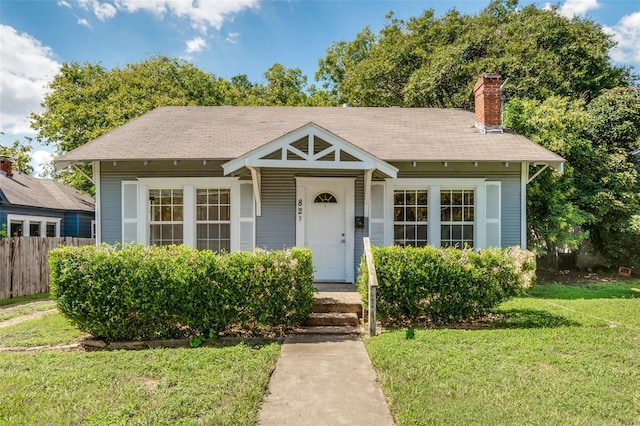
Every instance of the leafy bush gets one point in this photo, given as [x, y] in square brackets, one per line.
[445, 285]
[143, 293]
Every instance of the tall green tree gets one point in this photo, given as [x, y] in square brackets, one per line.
[285, 87]
[430, 61]
[87, 100]
[553, 214]
[600, 189]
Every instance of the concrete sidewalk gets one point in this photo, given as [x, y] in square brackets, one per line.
[324, 380]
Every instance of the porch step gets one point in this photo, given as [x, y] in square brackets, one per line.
[341, 330]
[333, 319]
[348, 302]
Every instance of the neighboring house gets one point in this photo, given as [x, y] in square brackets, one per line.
[238, 178]
[42, 207]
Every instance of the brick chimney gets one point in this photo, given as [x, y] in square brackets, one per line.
[5, 166]
[488, 103]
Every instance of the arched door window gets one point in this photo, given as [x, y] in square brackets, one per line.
[325, 197]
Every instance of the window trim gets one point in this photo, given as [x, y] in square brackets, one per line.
[26, 219]
[189, 187]
[433, 186]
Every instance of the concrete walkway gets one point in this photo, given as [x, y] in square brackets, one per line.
[324, 380]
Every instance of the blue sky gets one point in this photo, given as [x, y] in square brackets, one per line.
[224, 37]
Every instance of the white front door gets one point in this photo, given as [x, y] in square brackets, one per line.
[325, 225]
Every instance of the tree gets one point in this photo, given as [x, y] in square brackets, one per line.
[433, 62]
[285, 86]
[601, 184]
[87, 101]
[20, 155]
[553, 215]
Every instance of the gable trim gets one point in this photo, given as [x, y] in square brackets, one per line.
[282, 153]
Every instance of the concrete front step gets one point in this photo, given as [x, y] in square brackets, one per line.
[333, 319]
[341, 330]
[321, 307]
[349, 302]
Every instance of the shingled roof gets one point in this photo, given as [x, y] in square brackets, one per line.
[23, 190]
[227, 132]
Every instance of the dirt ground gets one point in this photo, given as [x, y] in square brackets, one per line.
[577, 277]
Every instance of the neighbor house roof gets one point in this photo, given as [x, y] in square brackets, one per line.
[23, 190]
[227, 132]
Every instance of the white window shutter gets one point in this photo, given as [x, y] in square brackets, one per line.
[130, 212]
[492, 214]
[376, 214]
[247, 217]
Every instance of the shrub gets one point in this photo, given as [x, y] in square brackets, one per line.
[445, 285]
[143, 293]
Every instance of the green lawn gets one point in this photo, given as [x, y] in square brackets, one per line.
[565, 355]
[161, 386]
[50, 330]
[207, 385]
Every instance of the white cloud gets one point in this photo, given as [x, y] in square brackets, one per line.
[41, 162]
[196, 45]
[232, 37]
[572, 8]
[627, 34]
[84, 23]
[25, 72]
[102, 10]
[203, 14]
[63, 3]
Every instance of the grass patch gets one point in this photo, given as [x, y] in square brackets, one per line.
[51, 329]
[551, 359]
[586, 291]
[13, 301]
[221, 385]
[12, 311]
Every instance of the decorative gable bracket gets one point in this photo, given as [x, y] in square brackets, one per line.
[310, 147]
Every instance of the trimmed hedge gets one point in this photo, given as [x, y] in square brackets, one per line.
[145, 293]
[445, 285]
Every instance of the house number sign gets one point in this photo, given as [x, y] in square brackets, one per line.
[299, 210]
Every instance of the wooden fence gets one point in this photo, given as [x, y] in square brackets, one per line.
[24, 264]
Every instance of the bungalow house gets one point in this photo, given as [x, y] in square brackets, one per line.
[238, 178]
[42, 207]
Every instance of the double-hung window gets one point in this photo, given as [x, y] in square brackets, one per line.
[213, 219]
[167, 216]
[410, 213]
[457, 217]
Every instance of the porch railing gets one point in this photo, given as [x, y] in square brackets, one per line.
[373, 285]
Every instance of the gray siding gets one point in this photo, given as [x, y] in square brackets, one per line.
[275, 229]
